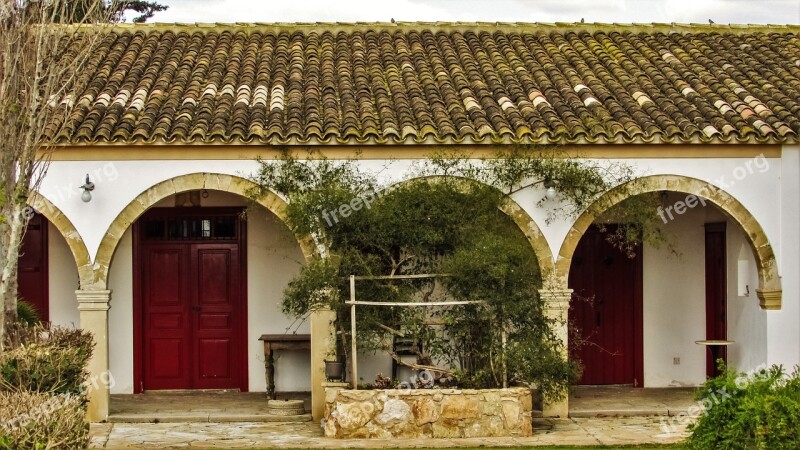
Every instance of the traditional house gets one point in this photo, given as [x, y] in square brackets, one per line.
[177, 286]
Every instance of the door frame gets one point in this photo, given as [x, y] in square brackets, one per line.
[638, 312]
[138, 300]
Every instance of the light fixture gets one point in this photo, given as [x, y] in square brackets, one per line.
[87, 187]
[664, 199]
[551, 189]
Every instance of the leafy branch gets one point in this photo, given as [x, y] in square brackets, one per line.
[446, 219]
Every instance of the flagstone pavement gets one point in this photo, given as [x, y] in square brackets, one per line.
[573, 431]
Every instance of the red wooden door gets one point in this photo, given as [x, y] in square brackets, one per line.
[167, 326]
[716, 291]
[606, 311]
[32, 274]
[216, 349]
[191, 307]
[191, 295]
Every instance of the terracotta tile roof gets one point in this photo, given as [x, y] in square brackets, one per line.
[441, 83]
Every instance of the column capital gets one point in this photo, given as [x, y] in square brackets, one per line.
[555, 292]
[770, 300]
[556, 298]
[93, 300]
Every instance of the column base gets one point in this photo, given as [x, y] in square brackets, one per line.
[557, 409]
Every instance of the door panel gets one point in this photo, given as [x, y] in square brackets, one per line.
[605, 311]
[166, 316]
[167, 367]
[216, 309]
[214, 363]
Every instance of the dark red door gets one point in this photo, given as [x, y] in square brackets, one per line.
[192, 312]
[216, 349]
[32, 274]
[606, 311]
[716, 291]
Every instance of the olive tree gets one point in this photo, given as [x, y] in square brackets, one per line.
[446, 220]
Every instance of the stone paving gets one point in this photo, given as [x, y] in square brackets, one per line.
[213, 420]
[578, 431]
[200, 406]
[599, 401]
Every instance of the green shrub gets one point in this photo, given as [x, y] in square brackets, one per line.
[757, 411]
[26, 314]
[42, 358]
[32, 420]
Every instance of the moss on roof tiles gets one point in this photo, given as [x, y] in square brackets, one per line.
[441, 83]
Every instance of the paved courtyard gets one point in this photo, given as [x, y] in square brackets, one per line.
[578, 431]
[600, 401]
[600, 416]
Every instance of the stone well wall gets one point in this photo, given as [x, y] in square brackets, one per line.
[438, 413]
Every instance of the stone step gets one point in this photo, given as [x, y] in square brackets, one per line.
[197, 416]
[286, 407]
[623, 412]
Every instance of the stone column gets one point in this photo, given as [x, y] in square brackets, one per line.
[556, 306]
[323, 347]
[93, 307]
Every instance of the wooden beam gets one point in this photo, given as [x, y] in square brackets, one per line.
[416, 304]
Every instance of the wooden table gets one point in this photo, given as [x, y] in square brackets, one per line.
[714, 345]
[274, 342]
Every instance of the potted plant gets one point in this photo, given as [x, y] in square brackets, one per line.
[335, 370]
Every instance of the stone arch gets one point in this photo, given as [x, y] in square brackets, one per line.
[195, 181]
[769, 291]
[531, 230]
[64, 226]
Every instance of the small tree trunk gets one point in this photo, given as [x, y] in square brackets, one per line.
[43, 65]
[8, 276]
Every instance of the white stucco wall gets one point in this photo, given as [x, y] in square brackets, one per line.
[273, 258]
[62, 280]
[674, 302]
[747, 322]
[119, 182]
[120, 317]
[674, 305]
[784, 326]
[769, 193]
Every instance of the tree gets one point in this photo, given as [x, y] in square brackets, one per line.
[447, 221]
[86, 11]
[146, 9]
[45, 50]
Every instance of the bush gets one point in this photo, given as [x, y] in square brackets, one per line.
[32, 420]
[27, 314]
[758, 411]
[42, 358]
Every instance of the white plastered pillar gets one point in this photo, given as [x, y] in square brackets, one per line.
[93, 306]
[556, 307]
[323, 347]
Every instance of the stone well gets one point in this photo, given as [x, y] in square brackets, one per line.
[437, 413]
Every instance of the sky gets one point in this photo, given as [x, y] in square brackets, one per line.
[623, 11]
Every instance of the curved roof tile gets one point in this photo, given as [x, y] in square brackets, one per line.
[439, 83]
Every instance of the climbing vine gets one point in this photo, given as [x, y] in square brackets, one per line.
[446, 220]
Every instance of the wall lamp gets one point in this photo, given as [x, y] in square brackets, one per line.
[87, 187]
[551, 189]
